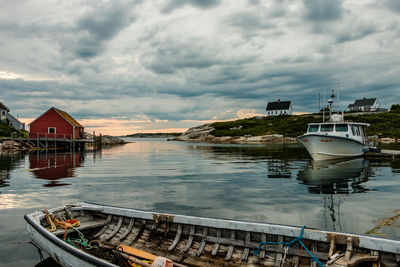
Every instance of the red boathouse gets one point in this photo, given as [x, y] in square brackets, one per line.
[55, 123]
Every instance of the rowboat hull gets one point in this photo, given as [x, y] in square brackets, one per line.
[327, 147]
[197, 241]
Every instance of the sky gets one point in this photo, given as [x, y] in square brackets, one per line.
[122, 67]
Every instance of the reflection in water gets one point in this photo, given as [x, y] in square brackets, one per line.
[336, 177]
[8, 162]
[279, 169]
[55, 166]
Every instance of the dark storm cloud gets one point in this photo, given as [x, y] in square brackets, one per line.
[356, 33]
[96, 27]
[393, 5]
[175, 4]
[319, 11]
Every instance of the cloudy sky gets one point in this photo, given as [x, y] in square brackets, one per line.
[121, 67]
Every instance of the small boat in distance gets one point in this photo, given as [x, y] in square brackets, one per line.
[335, 138]
[106, 235]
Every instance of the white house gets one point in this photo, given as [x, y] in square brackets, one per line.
[279, 108]
[365, 104]
[3, 112]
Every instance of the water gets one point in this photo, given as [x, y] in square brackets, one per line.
[264, 183]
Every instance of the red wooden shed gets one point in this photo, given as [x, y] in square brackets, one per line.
[55, 123]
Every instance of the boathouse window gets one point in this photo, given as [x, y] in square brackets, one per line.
[327, 128]
[52, 130]
[341, 128]
[313, 128]
[3, 113]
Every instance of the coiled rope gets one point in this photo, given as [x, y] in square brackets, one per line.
[296, 240]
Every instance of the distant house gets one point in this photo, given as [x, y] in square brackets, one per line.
[14, 122]
[365, 104]
[279, 108]
[55, 123]
[3, 112]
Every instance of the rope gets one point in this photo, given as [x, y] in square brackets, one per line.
[81, 241]
[290, 244]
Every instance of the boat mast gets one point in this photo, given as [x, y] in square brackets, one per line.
[330, 101]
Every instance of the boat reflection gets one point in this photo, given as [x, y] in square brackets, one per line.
[336, 177]
[55, 166]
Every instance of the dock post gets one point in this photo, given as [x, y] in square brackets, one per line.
[37, 140]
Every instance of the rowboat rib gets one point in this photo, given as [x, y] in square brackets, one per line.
[177, 237]
[203, 242]
[190, 239]
[230, 248]
[216, 246]
[107, 224]
[128, 230]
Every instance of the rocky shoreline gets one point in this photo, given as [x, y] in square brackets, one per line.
[203, 134]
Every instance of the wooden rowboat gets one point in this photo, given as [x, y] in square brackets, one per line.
[197, 241]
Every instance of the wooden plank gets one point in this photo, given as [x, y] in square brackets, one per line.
[107, 224]
[128, 230]
[262, 252]
[230, 249]
[177, 237]
[116, 229]
[278, 257]
[83, 226]
[203, 242]
[246, 250]
[313, 251]
[190, 239]
[216, 246]
[271, 248]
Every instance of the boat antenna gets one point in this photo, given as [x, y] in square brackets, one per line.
[330, 101]
[338, 94]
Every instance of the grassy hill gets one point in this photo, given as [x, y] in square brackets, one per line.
[382, 124]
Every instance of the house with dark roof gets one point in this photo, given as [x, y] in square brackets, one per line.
[279, 108]
[365, 104]
[55, 123]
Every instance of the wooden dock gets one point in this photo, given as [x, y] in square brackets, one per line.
[394, 154]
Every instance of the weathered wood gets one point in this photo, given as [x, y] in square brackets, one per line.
[203, 242]
[107, 224]
[246, 250]
[313, 251]
[267, 247]
[140, 231]
[83, 226]
[278, 257]
[230, 248]
[216, 246]
[374, 253]
[190, 239]
[116, 229]
[262, 252]
[177, 237]
[128, 230]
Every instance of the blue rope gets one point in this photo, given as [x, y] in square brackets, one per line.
[290, 244]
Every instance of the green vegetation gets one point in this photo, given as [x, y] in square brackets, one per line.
[6, 131]
[395, 108]
[382, 124]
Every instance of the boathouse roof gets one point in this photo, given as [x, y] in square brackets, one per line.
[278, 105]
[64, 115]
[2, 106]
[363, 102]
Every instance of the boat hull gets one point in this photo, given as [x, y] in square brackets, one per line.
[195, 241]
[325, 147]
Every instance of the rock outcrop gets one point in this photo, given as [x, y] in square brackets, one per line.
[106, 139]
[203, 134]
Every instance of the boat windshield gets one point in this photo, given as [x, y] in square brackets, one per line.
[342, 127]
[327, 128]
[313, 128]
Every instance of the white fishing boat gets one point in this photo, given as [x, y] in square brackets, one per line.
[114, 236]
[335, 138]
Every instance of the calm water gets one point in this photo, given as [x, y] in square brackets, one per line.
[265, 183]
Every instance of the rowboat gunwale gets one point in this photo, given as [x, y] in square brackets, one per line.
[364, 241]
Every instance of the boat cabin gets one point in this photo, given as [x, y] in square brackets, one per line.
[352, 130]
